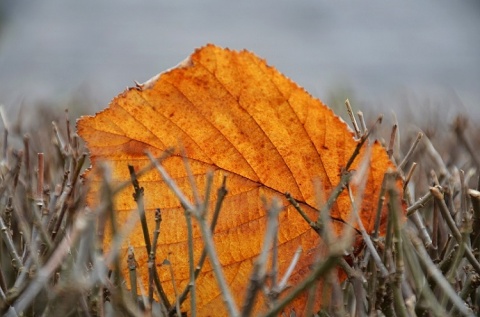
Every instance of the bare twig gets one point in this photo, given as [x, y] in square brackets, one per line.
[152, 256]
[321, 269]
[409, 175]
[7, 238]
[435, 156]
[363, 139]
[191, 269]
[46, 271]
[352, 118]
[391, 144]
[171, 183]
[259, 272]
[418, 277]
[138, 197]
[453, 227]
[283, 282]
[432, 270]
[459, 127]
[206, 234]
[366, 237]
[175, 291]
[61, 143]
[132, 271]
[363, 126]
[395, 211]
[304, 215]
[28, 173]
[411, 150]
[221, 193]
[333, 198]
[381, 202]
[40, 179]
[420, 203]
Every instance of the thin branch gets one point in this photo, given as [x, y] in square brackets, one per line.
[435, 156]
[7, 238]
[363, 139]
[293, 264]
[432, 270]
[152, 258]
[221, 193]
[459, 127]
[391, 144]
[409, 175]
[366, 237]
[352, 119]
[302, 213]
[407, 156]
[191, 260]
[175, 292]
[395, 211]
[363, 126]
[46, 271]
[453, 227]
[138, 197]
[40, 179]
[418, 277]
[206, 234]
[259, 272]
[171, 183]
[132, 272]
[335, 193]
[321, 269]
[420, 203]
[380, 204]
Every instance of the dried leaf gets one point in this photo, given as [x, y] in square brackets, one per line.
[239, 117]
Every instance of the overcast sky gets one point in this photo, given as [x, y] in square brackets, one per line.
[385, 52]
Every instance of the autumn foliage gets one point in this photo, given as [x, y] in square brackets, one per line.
[232, 114]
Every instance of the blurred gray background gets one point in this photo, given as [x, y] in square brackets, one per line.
[407, 55]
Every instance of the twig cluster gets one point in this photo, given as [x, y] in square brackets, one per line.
[425, 262]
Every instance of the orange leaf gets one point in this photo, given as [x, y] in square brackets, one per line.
[238, 117]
